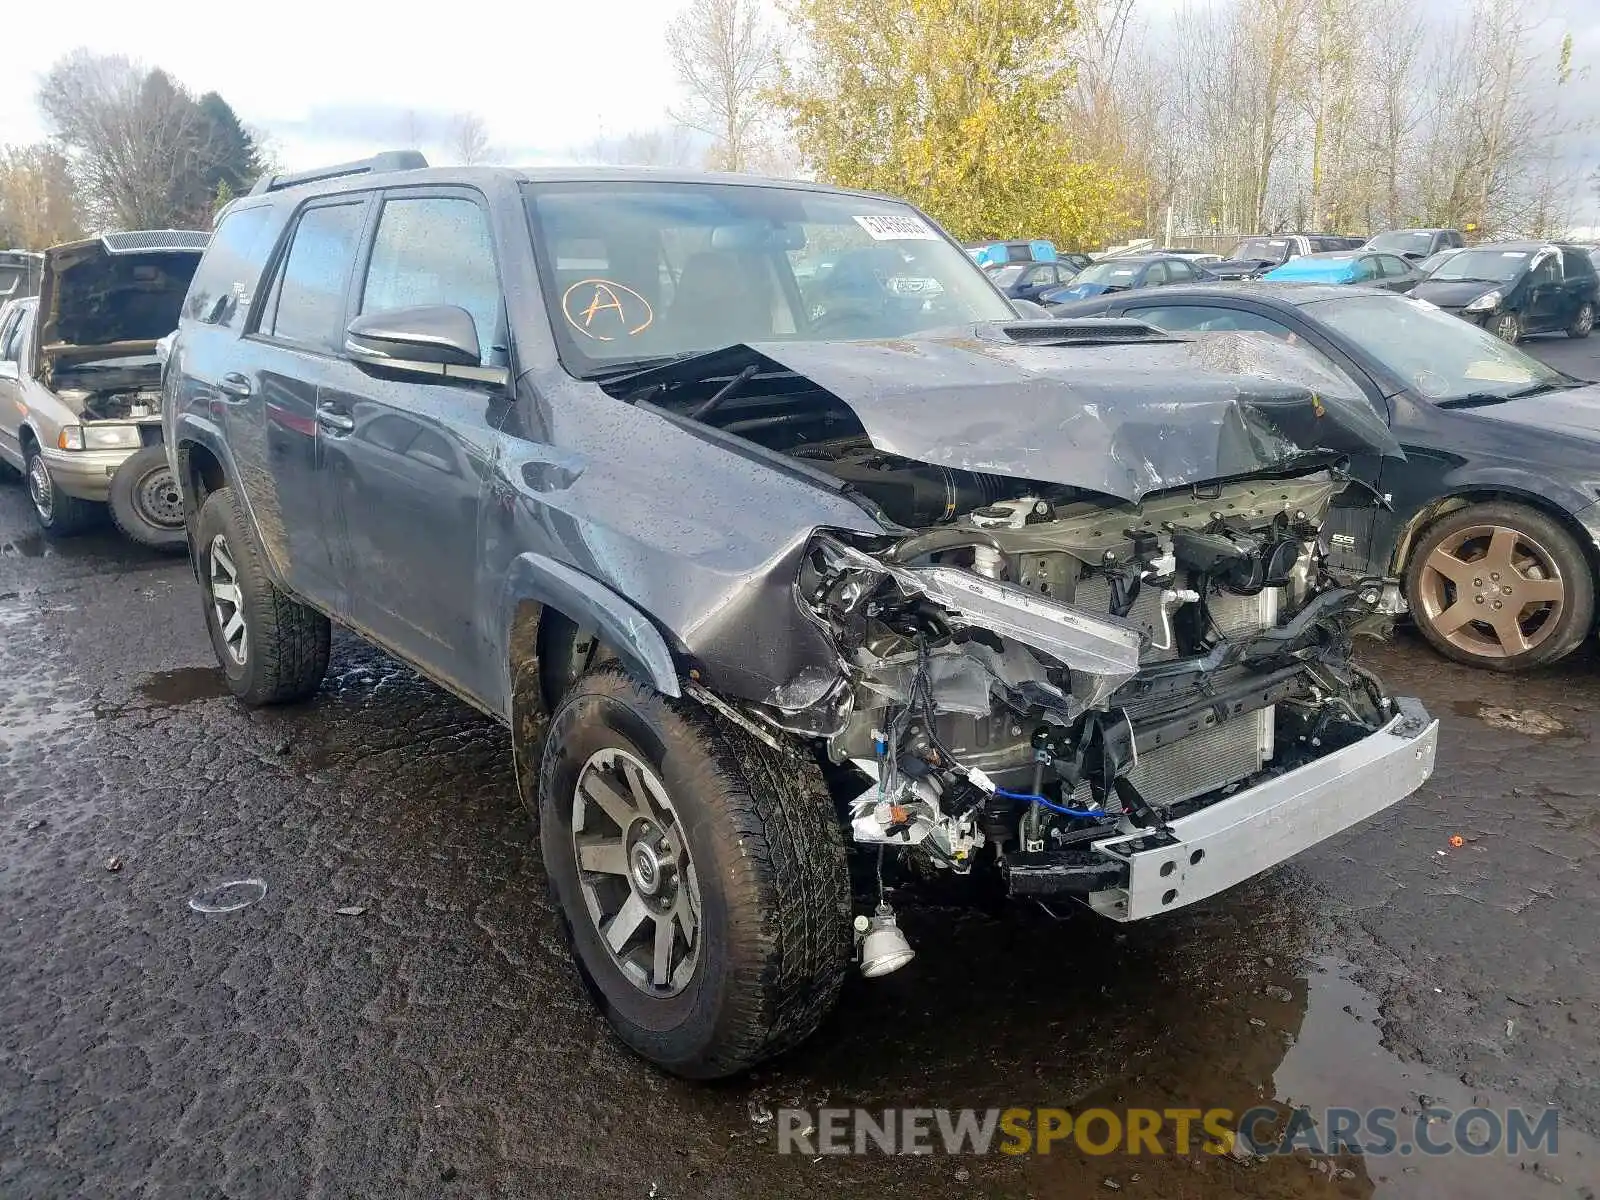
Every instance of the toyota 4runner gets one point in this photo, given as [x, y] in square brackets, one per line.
[754, 572]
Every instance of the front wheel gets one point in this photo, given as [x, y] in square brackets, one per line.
[700, 875]
[58, 513]
[1582, 322]
[1507, 327]
[1500, 586]
[272, 649]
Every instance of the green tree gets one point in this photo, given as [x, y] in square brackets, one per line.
[957, 105]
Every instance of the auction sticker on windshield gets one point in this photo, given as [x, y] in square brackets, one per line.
[896, 228]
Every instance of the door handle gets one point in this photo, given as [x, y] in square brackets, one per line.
[234, 384]
[334, 421]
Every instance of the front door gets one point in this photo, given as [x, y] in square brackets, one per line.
[1545, 294]
[408, 456]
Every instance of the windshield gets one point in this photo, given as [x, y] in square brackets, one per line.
[650, 270]
[1401, 241]
[1269, 249]
[1108, 272]
[1489, 266]
[1438, 356]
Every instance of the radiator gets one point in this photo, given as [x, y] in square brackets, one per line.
[1199, 763]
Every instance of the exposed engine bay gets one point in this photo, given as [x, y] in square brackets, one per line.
[1032, 671]
[1171, 653]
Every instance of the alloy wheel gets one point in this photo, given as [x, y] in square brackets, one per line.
[1492, 591]
[635, 873]
[227, 601]
[41, 490]
[1508, 328]
[1585, 321]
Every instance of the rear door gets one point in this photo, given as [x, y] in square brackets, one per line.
[409, 456]
[293, 348]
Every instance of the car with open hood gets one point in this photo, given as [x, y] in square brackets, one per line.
[80, 398]
[1514, 289]
[1489, 528]
[759, 577]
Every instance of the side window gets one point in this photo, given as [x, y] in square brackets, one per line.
[224, 285]
[1578, 264]
[1179, 271]
[1546, 270]
[7, 323]
[308, 299]
[1156, 273]
[11, 350]
[435, 250]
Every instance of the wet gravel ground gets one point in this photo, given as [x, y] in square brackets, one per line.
[397, 1016]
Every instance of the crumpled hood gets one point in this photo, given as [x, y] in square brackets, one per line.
[1448, 293]
[1123, 419]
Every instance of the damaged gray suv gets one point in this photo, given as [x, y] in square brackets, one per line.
[770, 531]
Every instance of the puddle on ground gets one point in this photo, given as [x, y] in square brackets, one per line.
[184, 685]
[1529, 721]
[29, 545]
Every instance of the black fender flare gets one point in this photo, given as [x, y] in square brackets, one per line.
[625, 630]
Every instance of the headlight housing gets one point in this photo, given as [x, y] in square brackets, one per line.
[99, 437]
[1485, 302]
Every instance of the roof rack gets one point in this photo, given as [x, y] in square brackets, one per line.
[389, 160]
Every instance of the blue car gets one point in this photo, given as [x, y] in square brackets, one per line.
[1349, 266]
[1125, 273]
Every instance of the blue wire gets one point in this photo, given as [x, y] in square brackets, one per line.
[1050, 804]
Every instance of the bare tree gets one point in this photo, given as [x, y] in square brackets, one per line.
[725, 57]
[469, 139]
[135, 137]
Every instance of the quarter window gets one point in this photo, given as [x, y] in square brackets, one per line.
[223, 286]
[308, 302]
[12, 351]
[436, 250]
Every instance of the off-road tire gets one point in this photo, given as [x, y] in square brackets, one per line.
[131, 488]
[60, 515]
[1572, 624]
[287, 653]
[1507, 327]
[1582, 321]
[769, 855]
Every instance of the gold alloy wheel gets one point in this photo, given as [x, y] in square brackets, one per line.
[1492, 591]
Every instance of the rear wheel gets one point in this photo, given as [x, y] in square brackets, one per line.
[700, 874]
[272, 649]
[145, 501]
[1582, 321]
[57, 512]
[1501, 586]
[1507, 327]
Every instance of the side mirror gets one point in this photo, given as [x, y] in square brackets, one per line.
[435, 334]
[1030, 311]
[431, 339]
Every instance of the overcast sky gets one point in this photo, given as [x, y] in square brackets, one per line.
[331, 80]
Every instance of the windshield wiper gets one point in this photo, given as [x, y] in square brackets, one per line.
[1479, 399]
